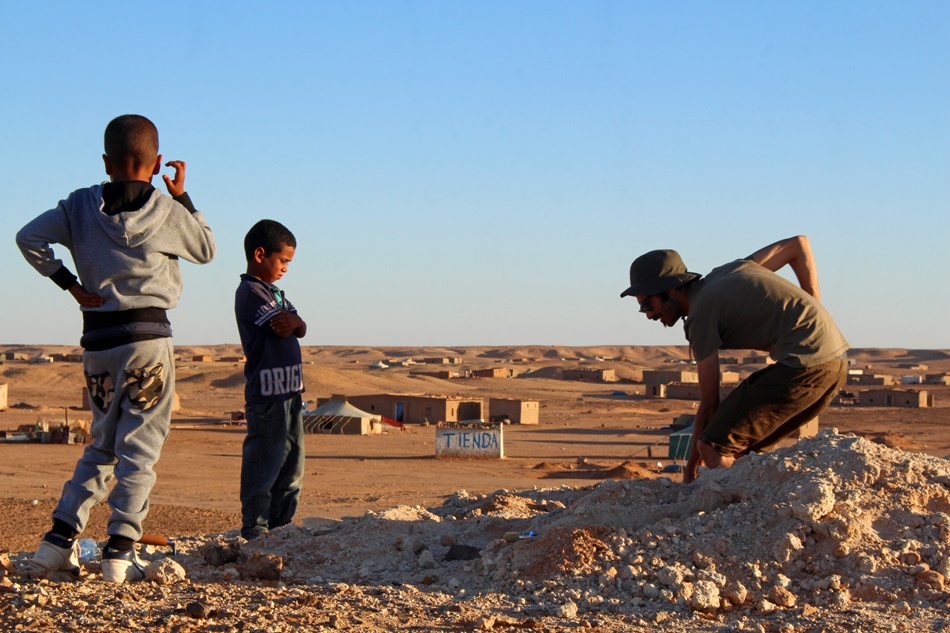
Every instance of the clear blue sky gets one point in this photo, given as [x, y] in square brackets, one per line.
[483, 173]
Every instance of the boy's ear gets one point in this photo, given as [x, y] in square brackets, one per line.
[259, 254]
[158, 165]
[108, 164]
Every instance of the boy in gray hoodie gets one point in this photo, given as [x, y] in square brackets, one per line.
[126, 238]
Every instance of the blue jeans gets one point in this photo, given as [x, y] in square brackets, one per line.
[272, 466]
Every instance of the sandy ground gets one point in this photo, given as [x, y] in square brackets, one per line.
[588, 433]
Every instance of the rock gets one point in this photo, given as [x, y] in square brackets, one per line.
[62, 576]
[705, 596]
[447, 540]
[462, 552]
[263, 567]
[932, 580]
[217, 555]
[412, 544]
[165, 572]
[671, 575]
[7, 568]
[198, 610]
[568, 610]
[788, 548]
[426, 559]
[736, 592]
[782, 597]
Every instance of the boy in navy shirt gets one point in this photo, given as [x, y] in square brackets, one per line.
[273, 458]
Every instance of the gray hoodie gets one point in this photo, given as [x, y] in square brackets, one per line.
[130, 259]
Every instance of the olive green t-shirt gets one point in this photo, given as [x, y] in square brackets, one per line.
[743, 305]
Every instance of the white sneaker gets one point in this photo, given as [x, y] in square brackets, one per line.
[57, 553]
[122, 566]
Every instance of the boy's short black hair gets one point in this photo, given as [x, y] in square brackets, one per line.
[131, 138]
[270, 235]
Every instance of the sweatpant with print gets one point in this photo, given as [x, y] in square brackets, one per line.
[131, 394]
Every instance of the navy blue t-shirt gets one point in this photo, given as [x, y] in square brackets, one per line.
[274, 369]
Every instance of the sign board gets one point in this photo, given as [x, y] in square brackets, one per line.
[485, 441]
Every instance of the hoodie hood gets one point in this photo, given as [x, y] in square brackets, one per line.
[131, 213]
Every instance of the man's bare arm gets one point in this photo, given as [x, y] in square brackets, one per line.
[708, 403]
[796, 252]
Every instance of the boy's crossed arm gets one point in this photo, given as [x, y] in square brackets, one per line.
[287, 323]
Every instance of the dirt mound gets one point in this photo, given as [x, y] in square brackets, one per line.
[628, 470]
[583, 469]
[895, 354]
[554, 373]
[837, 534]
[232, 381]
[891, 440]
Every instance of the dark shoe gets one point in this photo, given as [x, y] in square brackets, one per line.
[119, 566]
[249, 534]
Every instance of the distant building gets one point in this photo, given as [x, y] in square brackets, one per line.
[913, 366]
[937, 379]
[690, 391]
[494, 372]
[418, 409]
[3, 396]
[518, 411]
[444, 374]
[201, 358]
[442, 361]
[655, 391]
[882, 380]
[591, 374]
[911, 398]
[665, 377]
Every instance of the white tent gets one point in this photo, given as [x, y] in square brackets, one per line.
[339, 416]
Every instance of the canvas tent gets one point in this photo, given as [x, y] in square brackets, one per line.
[339, 416]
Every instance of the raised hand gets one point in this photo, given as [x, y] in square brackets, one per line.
[176, 185]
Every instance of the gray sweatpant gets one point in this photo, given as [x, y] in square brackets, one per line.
[132, 390]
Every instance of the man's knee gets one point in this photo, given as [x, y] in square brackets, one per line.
[713, 458]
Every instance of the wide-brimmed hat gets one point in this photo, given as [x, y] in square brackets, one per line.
[656, 272]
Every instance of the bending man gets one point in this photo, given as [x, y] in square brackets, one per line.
[745, 305]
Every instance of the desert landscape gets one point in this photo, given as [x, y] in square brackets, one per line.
[846, 530]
